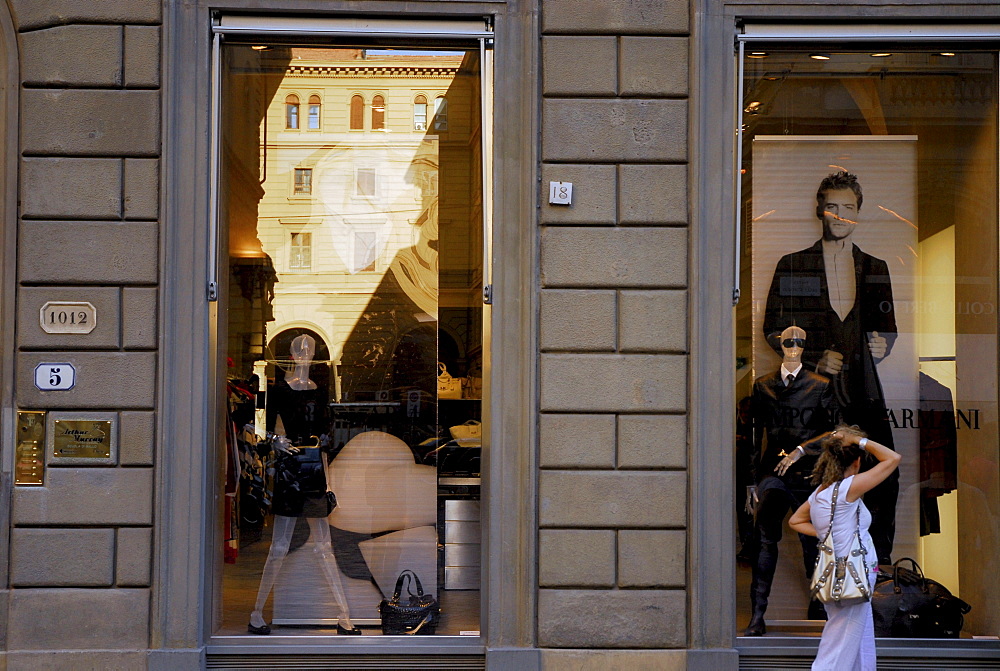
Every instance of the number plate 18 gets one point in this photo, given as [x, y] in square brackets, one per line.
[68, 317]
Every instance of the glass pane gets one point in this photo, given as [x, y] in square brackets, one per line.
[870, 216]
[352, 332]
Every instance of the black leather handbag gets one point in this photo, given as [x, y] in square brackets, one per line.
[411, 615]
[300, 484]
[905, 604]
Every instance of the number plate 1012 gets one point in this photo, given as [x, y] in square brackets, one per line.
[68, 317]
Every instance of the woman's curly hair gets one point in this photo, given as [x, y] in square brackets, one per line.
[838, 454]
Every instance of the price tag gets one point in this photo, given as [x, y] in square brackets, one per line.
[68, 317]
[55, 376]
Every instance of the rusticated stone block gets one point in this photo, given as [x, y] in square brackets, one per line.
[594, 197]
[88, 188]
[139, 318]
[78, 660]
[603, 499]
[35, 14]
[62, 557]
[142, 56]
[577, 320]
[576, 441]
[613, 383]
[576, 558]
[571, 618]
[135, 547]
[580, 66]
[136, 438]
[90, 121]
[31, 335]
[614, 257]
[652, 558]
[653, 66]
[554, 659]
[615, 16]
[72, 55]
[75, 496]
[620, 130]
[652, 321]
[74, 252]
[80, 619]
[142, 188]
[653, 194]
[652, 441]
[103, 380]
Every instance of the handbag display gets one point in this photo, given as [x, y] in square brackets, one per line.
[448, 386]
[299, 475]
[415, 614]
[844, 579]
[908, 605]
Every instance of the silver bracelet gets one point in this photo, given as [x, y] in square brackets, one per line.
[863, 443]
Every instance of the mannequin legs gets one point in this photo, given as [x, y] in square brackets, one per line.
[280, 542]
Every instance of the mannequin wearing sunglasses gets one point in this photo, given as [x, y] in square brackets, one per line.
[789, 407]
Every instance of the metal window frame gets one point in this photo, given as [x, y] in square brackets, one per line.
[893, 653]
[448, 32]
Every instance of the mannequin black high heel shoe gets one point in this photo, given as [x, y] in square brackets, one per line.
[353, 631]
[260, 631]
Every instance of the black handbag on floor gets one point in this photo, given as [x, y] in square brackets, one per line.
[414, 614]
[905, 604]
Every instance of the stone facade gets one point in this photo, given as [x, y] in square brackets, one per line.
[80, 551]
[613, 332]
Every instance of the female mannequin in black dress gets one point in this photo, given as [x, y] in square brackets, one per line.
[300, 489]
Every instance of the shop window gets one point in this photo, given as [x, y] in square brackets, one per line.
[314, 112]
[440, 113]
[300, 251]
[869, 257]
[420, 113]
[354, 342]
[303, 181]
[357, 112]
[292, 112]
[378, 113]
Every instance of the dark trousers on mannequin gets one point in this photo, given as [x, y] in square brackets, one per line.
[776, 498]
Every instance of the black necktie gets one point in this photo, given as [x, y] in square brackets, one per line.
[788, 380]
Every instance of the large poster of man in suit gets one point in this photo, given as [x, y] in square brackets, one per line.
[834, 252]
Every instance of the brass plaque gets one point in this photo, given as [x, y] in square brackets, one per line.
[81, 439]
[29, 461]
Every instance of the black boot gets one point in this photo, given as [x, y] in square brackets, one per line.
[816, 610]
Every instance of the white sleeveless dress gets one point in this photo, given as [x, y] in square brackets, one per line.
[848, 640]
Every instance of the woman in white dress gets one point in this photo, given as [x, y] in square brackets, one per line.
[848, 640]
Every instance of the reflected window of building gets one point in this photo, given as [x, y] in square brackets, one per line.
[420, 113]
[378, 113]
[357, 112]
[440, 113]
[300, 251]
[303, 181]
[366, 182]
[365, 251]
[292, 111]
[314, 112]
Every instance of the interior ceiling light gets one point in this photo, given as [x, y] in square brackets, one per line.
[948, 53]
[819, 57]
[757, 54]
[259, 47]
[881, 55]
[753, 108]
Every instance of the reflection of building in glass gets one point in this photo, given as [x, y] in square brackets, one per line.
[362, 190]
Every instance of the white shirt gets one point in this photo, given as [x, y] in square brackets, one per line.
[786, 371]
[838, 259]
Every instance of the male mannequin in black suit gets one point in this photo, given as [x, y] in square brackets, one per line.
[789, 408]
[842, 297]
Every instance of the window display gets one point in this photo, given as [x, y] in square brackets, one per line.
[869, 284]
[344, 301]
